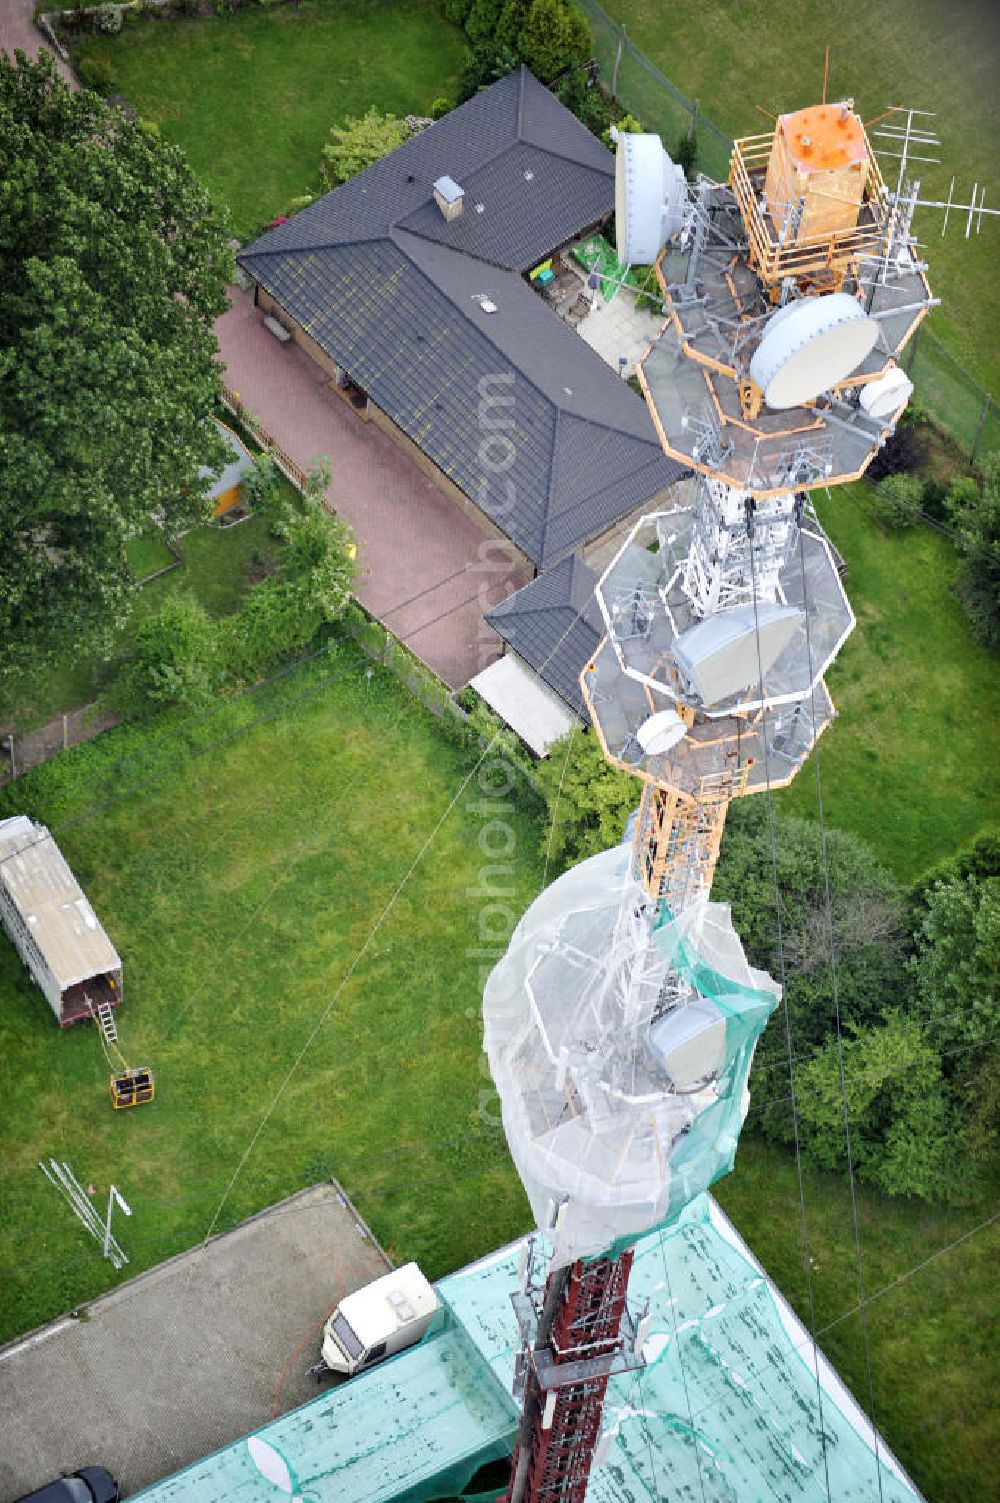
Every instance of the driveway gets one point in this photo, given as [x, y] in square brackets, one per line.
[187, 1357]
[18, 32]
[428, 569]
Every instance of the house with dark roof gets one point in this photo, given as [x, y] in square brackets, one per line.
[550, 629]
[409, 286]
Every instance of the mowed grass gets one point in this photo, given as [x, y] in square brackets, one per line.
[937, 55]
[277, 978]
[300, 910]
[252, 97]
[912, 764]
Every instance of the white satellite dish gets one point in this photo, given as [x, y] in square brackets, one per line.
[271, 1464]
[650, 196]
[660, 732]
[881, 398]
[811, 345]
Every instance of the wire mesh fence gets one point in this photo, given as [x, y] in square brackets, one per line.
[645, 92]
[953, 399]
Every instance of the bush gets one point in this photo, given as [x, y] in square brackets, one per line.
[259, 485]
[175, 661]
[107, 18]
[457, 11]
[96, 73]
[903, 452]
[440, 107]
[628, 124]
[686, 153]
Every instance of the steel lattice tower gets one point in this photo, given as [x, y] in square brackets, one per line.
[625, 1008]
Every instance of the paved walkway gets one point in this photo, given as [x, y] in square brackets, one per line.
[18, 32]
[187, 1357]
[428, 569]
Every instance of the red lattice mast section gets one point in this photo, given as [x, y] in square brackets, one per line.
[579, 1336]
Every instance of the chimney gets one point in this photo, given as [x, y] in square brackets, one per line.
[449, 197]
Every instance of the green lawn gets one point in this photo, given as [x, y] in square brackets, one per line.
[241, 863]
[147, 555]
[218, 565]
[252, 97]
[913, 763]
[929, 54]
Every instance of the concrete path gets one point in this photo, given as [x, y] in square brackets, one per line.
[429, 571]
[187, 1357]
[18, 32]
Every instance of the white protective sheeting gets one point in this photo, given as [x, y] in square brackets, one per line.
[606, 1141]
[520, 698]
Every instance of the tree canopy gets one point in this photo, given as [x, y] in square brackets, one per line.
[889, 996]
[974, 512]
[360, 141]
[114, 267]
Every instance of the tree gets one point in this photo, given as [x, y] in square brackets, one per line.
[510, 24]
[956, 960]
[779, 901]
[975, 514]
[898, 500]
[587, 800]
[905, 1135]
[579, 38]
[114, 264]
[545, 39]
[359, 142]
[483, 66]
[481, 22]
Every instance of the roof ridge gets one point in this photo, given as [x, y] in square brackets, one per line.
[596, 422]
[529, 380]
[520, 99]
[406, 229]
[553, 467]
[308, 250]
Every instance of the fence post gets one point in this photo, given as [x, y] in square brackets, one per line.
[618, 58]
[983, 414]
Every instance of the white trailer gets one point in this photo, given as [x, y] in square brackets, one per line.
[52, 926]
[377, 1321]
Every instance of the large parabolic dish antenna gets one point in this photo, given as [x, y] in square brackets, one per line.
[811, 345]
[650, 197]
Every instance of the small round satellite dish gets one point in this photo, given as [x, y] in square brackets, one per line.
[650, 195]
[811, 345]
[881, 398]
[487, 304]
[660, 732]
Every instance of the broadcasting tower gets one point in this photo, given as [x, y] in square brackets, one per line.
[621, 1023]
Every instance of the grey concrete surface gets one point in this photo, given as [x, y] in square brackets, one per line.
[187, 1357]
[19, 32]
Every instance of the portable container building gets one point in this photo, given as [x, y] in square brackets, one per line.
[52, 926]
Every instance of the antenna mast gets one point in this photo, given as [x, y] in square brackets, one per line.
[621, 1023]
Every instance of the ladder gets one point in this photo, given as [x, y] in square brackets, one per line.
[105, 1019]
